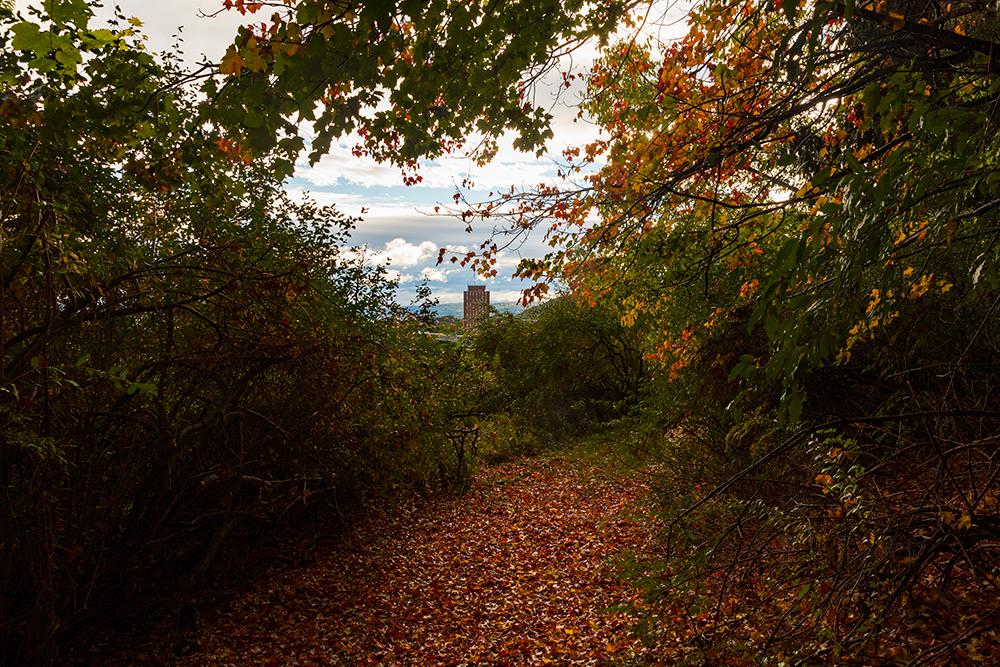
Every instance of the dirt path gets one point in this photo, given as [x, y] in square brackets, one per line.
[515, 572]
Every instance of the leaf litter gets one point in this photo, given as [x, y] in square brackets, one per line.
[517, 571]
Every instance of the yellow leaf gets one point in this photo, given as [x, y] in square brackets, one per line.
[232, 63]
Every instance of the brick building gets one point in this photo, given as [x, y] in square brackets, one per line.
[477, 305]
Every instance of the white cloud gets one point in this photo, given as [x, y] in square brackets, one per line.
[397, 253]
[448, 296]
[203, 33]
[403, 254]
[434, 274]
[348, 203]
[507, 262]
[505, 295]
[401, 278]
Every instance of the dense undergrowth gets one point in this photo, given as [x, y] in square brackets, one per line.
[189, 356]
[865, 532]
[559, 370]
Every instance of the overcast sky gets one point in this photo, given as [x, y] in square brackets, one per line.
[398, 226]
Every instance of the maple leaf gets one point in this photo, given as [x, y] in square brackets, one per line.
[232, 63]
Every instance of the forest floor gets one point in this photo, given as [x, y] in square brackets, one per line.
[522, 569]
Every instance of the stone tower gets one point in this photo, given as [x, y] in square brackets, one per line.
[477, 305]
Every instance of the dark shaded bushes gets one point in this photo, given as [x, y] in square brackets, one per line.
[866, 529]
[562, 368]
[188, 355]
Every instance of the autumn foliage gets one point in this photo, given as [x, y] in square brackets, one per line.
[795, 205]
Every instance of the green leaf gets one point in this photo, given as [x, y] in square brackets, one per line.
[96, 39]
[29, 37]
[69, 58]
[771, 324]
[63, 12]
[744, 368]
[143, 388]
[870, 97]
[380, 12]
[854, 163]
[793, 403]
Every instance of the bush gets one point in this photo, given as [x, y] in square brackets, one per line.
[503, 437]
[188, 355]
[865, 529]
[563, 368]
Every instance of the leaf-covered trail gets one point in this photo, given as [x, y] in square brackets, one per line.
[515, 572]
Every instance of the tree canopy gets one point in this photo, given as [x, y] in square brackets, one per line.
[796, 204]
[817, 163]
[411, 79]
[190, 356]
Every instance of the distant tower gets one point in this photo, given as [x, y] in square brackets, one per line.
[477, 305]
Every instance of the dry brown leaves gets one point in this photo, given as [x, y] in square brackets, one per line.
[515, 572]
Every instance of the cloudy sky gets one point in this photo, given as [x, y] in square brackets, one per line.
[399, 226]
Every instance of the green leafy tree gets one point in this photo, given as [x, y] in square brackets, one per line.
[188, 355]
[412, 79]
